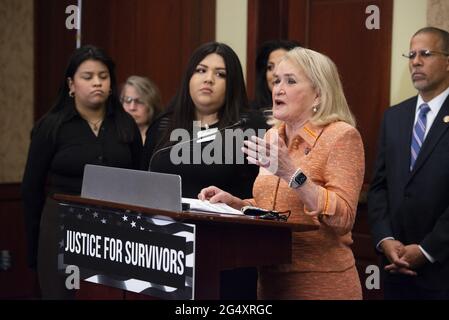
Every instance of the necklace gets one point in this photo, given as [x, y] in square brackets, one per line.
[95, 124]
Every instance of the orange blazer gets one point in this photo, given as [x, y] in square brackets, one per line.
[333, 158]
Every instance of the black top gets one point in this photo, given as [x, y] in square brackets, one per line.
[267, 111]
[62, 162]
[229, 170]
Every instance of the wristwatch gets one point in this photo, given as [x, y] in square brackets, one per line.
[297, 179]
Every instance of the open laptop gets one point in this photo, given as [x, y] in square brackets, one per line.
[140, 188]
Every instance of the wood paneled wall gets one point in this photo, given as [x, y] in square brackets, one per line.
[362, 56]
[145, 37]
[337, 29]
[267, 19]
[18, 281]
[151, 38]
[53, 45]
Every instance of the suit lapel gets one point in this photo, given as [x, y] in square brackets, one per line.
[405, 129]
[437, 130]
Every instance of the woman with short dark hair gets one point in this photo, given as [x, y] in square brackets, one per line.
[268, 56]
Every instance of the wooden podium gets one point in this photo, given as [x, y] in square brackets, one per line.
[222, 242]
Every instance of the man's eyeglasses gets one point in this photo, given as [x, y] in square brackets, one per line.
[129, 100]
[423, 53]
[266, 214]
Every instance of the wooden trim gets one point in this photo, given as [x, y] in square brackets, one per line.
[53, 44]
[19, 281]
[189, 216]
[298, 27]
[10, 192]
[208, 16]
[144, 37]
[269, 20]
[253, 22]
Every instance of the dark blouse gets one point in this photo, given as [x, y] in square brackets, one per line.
[266, 110]
[61, 162]
[230, 170]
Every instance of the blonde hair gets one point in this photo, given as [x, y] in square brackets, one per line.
[323, 75]
[149, 93]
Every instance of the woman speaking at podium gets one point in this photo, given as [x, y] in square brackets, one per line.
[312, 164]
[210, 104]
[87, 125]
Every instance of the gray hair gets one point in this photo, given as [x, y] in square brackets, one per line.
[148, 92]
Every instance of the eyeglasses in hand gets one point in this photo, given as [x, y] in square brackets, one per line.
[266, 214]
[278, 216]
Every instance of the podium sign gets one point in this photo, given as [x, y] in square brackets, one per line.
[128, 250]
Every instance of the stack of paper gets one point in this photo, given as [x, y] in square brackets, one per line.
[206, 206]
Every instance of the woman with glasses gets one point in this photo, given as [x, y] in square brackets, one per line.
[311, 164]
[141, 99]
[87, 125]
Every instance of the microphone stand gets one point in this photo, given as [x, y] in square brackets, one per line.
[237, 124]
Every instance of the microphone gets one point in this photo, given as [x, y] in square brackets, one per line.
[239, 123]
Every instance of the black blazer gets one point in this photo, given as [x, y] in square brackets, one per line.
[413, 207]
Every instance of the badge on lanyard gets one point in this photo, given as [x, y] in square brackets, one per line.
[207, 135]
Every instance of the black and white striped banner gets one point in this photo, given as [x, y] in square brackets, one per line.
[127, 250]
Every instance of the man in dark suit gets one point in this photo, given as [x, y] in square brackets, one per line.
[408, 202]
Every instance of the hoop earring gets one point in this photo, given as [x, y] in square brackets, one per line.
[71, 94]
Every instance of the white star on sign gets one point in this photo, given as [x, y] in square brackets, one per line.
[103, 220]
[133, 224]
[95, 214]
[125, 218]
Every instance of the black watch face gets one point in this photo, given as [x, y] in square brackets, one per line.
[300, 179]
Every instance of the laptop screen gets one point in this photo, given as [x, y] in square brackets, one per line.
[140, 188]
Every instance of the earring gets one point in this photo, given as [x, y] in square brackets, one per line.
[315, 109]
[71, 94]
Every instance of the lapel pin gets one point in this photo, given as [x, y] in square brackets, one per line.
[446, 119]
